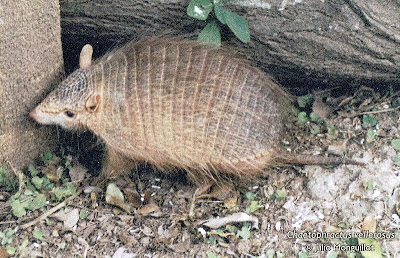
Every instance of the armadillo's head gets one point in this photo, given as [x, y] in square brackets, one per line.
[72, 103]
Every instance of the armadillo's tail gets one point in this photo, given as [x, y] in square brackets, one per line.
[291, 158]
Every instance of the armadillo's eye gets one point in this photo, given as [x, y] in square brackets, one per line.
[69, 113]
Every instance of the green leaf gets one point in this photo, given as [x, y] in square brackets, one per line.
[18, 208]
[368, 185]
[316, 118]
[10, 250]
[395, 144]
[220, 13]
[68, 189]
[396, 158]
[9, 182]
[47, 185]
[270, 253]
[6, 238]
[83, 214]
[33, 170]
[210, 33]
[244, 233]
[331, 129]
[279, 194]
[304, 101]
[38, 202]
[303, 255]
[376, 251]
[24, 244]
[211, 239]
[10, 232]
[332, 254]
[231, 228]
[367, 119]
[371, 135]
[250, 196]
[302, 118]
[210, 254]
[254, 205]
[294, 110]
[37, 182]
[238, 26]
[38, 235]
[199, 9]
[315, 129]
[46, 157]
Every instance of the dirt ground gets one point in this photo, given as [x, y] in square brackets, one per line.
[289, 211]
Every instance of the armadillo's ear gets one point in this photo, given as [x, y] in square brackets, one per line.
[93, 103]
[85, 58]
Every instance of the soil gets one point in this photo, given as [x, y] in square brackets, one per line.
[288, 201]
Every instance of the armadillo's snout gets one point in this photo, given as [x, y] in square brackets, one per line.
[33, 115]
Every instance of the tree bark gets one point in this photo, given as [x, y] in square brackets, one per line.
[30, 62]
[301, 44]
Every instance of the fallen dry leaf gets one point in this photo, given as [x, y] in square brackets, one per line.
[69, 217]
[182, 246]
[115, 197]
[127, 239]
[133, 197]
[322, 109]
[147, 197]
[338, 148]
[3, 253]
[164, 235]
[219, 192]
[120, 253]
[148, 208]
[369, 224]
[77, 172]
[230, 202]
[53, 172]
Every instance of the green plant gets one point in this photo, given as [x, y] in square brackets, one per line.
[201, 9]
[244, 233]
[38, 189]
[9, 183]
[6, 237]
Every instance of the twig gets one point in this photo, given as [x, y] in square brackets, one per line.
[380, 111]
[51, 211]
[193, 204]
[8, 222]
[375, 112]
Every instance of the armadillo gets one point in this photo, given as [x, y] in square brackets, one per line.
[176, 102]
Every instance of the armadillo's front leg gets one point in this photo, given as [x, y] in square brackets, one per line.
[115, 165]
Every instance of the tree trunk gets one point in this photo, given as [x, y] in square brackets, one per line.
[303, 44]
[30, 62]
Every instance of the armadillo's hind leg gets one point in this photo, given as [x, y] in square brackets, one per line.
[115, 165]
